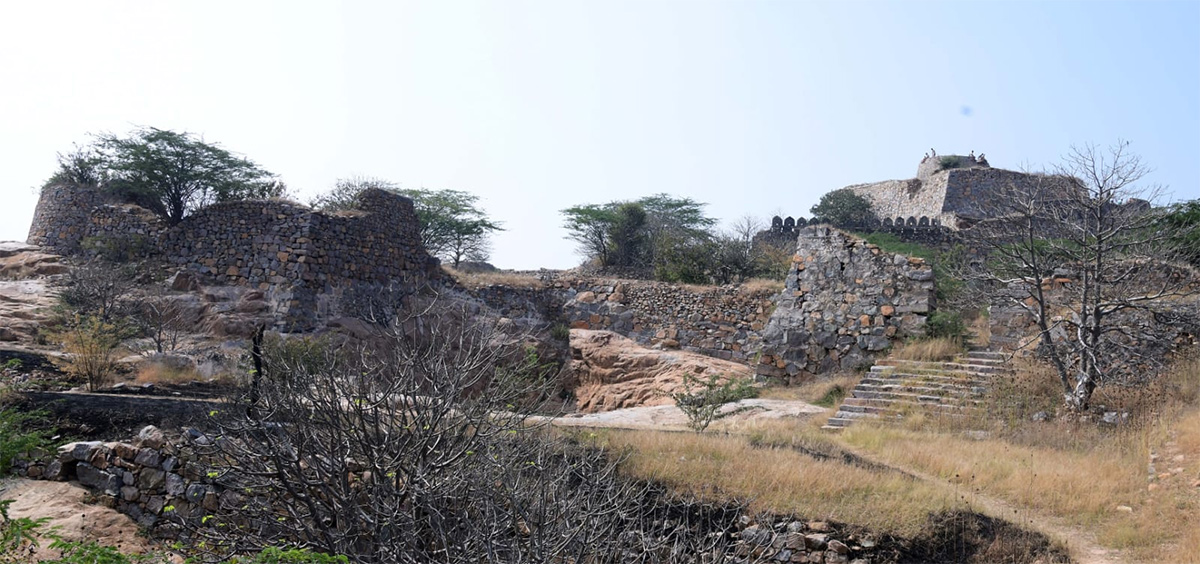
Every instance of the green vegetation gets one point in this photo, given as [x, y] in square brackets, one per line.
[893, 244]
[948, 162]
[16, 436]
[842, 208]
[167, 172]
[946, 325]
[702, 398]
[1183, 219]
[452, 225]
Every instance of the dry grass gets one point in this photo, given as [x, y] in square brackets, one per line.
[929, 350]
[497, 278]
[1088, 476]
[781, 480]
[761, 285]
[161, 374]
[825, 391]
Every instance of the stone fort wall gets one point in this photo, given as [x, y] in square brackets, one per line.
[310, 265]
[844, 301]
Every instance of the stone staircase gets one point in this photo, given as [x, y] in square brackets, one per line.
[895, 387]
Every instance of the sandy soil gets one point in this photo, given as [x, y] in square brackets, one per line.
[75, 520]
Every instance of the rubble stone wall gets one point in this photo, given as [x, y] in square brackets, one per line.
[844, 301]
[311, 265]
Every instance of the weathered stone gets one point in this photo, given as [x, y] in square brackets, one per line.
[150, 437]
[151, 479]
[148, 457]
[92, 477]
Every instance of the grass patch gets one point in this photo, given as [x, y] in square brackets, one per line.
[497, 278]
[781, 479]
[929, 350]
[893, 244]
[761, 286]
[825, 391]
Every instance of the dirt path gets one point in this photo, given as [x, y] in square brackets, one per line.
[1081, 544]
[670, 418]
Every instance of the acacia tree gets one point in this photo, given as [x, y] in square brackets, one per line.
[173, 173]
[452, 226]
[655, 232]
[1093, 265]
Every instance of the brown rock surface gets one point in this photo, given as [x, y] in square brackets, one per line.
[63, 503]
[614, 372]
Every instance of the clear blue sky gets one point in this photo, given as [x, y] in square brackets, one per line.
[753, 107]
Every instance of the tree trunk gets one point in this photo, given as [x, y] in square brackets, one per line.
[1079, 398]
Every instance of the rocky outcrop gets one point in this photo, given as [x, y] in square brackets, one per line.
[844, 301]
[613, 372]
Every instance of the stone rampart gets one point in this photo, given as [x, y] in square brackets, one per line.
[719, 321]
[310, 265]
[844, 301]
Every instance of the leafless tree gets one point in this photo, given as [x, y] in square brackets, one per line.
[418, 448]
[1086, 255]
[162, 319]
[98, 287]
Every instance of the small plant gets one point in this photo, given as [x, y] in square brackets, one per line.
[560, 332]
[18, 536]
[948, 162]
[16, 437]
[13, 364]
[272, 555]
[91, 345]
[945, 325]
[701, 399]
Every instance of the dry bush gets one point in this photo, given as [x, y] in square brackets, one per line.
[500, 278]
[929, 350]
[162, 373]
[91, 346]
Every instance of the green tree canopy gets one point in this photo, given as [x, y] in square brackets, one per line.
[842, 208]
[650, 232]
[452, 225]
[174, 173]
[1183, 221]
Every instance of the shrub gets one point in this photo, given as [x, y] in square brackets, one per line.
[91, 345]
[702, 399]
[560, 332]
[945, 324]
[842, 208]
[948, 162]
[16, 437]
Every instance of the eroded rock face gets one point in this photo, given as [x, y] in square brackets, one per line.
[614, 372]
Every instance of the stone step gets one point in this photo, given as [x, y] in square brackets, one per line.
[989, 355]
[932, 388]
[917, 388]
[943, 366]
[911, 371]
[948, 378]
[869, 405]
[924, 399]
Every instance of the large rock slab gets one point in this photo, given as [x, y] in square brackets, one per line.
[614, 372]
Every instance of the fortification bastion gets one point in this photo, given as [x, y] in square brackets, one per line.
[310, 265]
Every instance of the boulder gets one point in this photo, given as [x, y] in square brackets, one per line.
[614, 372]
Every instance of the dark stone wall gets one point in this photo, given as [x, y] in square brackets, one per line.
[310, 265]
[844, 301]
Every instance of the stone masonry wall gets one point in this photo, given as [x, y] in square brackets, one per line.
[720, 321]
[844, 301]
[310, 265]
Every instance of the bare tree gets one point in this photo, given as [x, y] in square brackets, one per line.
[419, 448]
[163, 319]
[1089, 260]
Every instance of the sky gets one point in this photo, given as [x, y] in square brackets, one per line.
[754, 107]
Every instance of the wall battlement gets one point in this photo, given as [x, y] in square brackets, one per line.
[311, 265]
